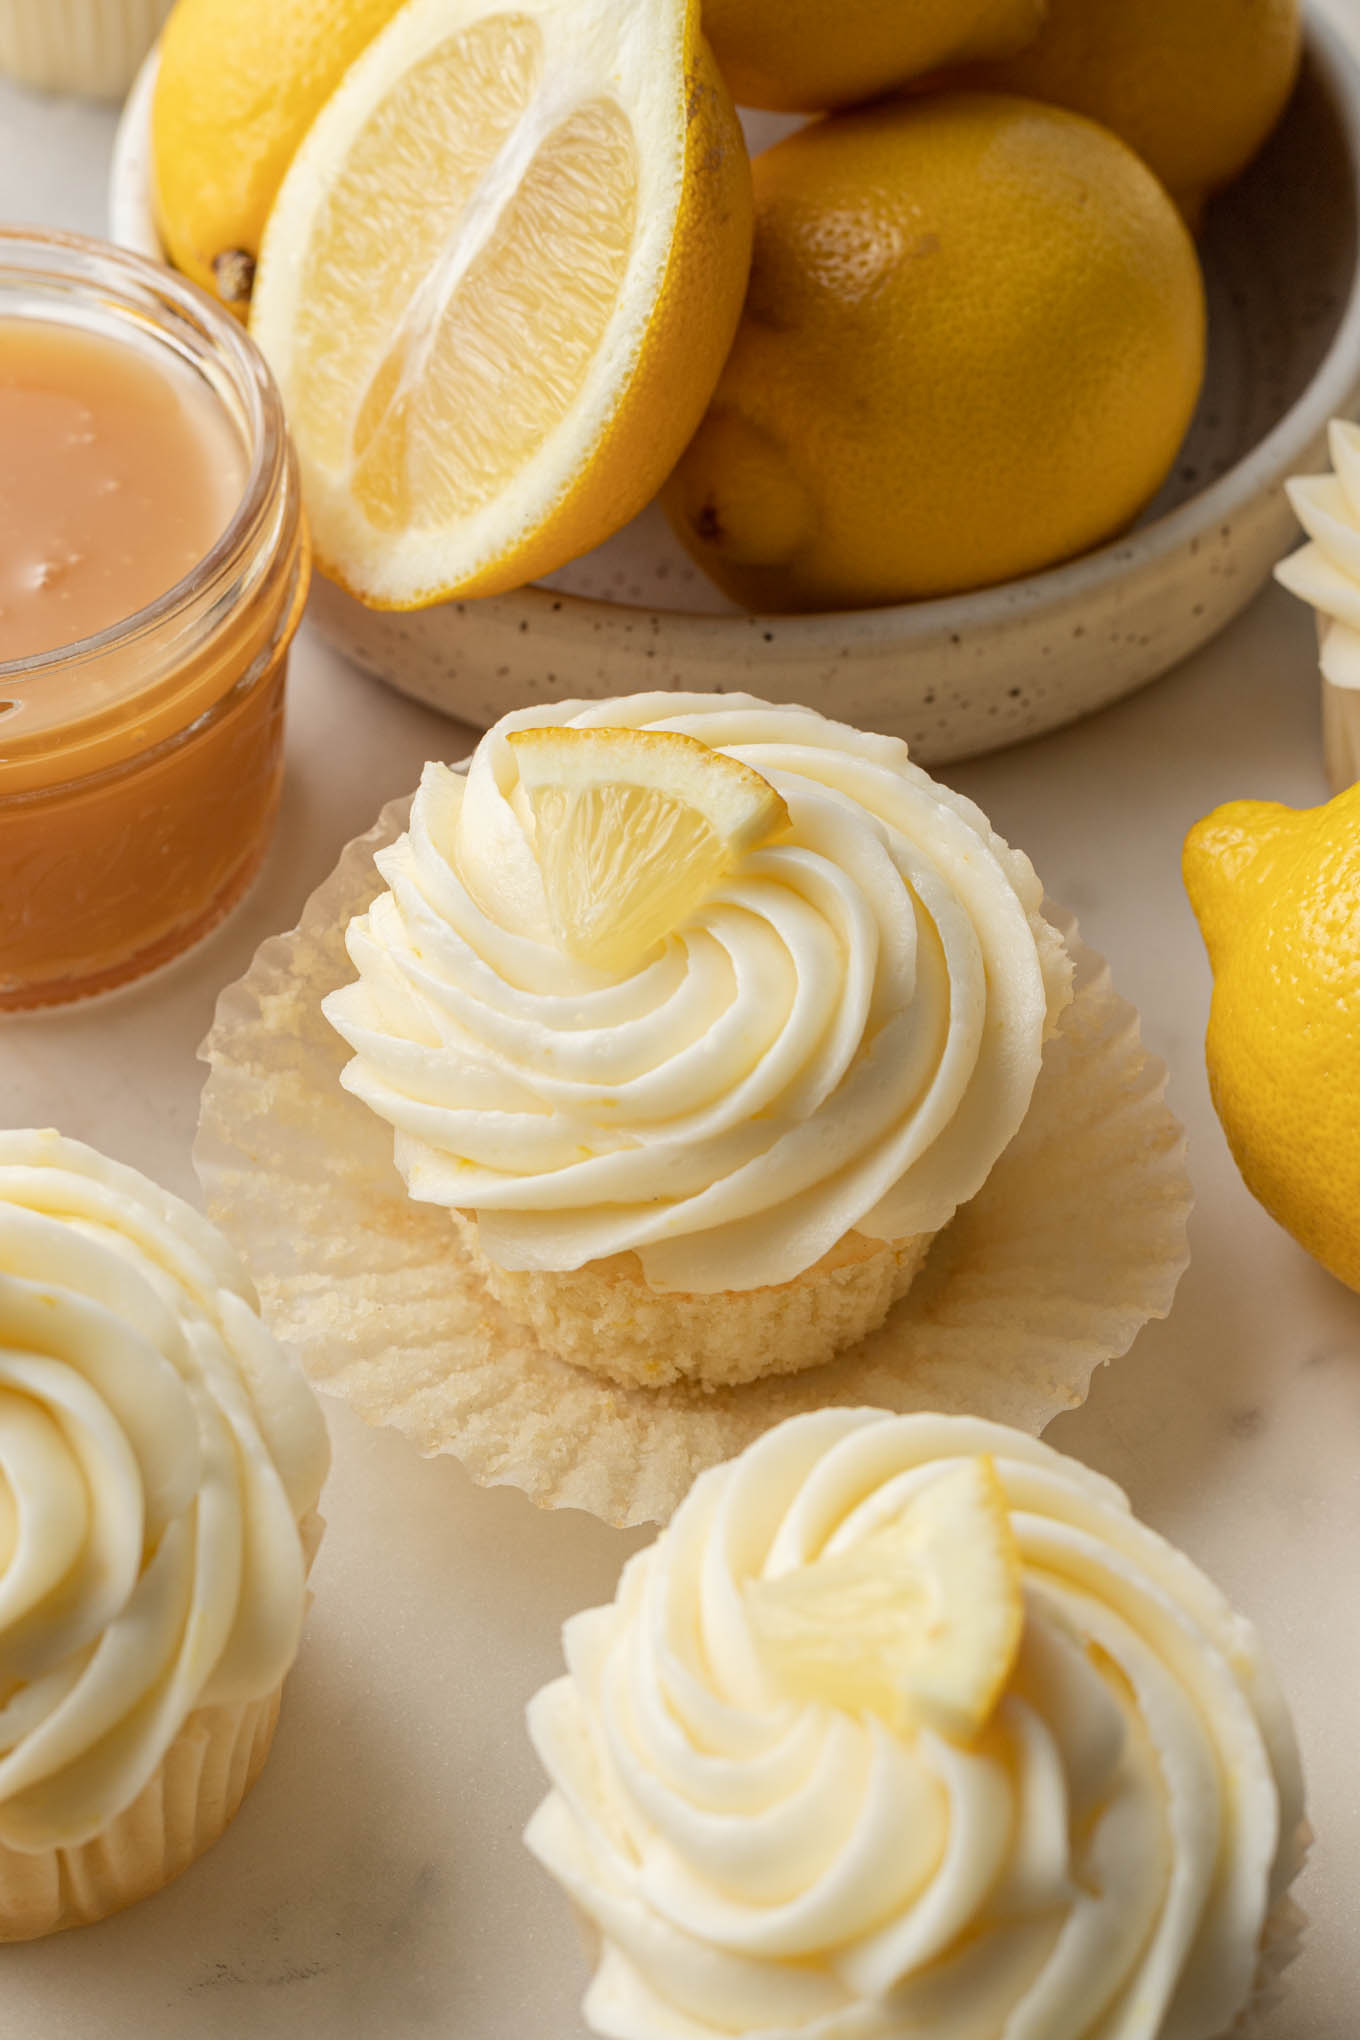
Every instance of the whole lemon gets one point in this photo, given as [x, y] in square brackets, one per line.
[805, 55]
[1276, 891]
[239, 84]
[972, 342]
[1195, 86]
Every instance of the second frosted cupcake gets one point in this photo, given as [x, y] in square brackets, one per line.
[702, 1017]
[161, 1458]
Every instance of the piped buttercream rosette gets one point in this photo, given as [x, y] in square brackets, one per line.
[1100, 1862]
[841, 1037]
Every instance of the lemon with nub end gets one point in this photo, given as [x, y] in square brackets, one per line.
[1195, 86]
[1276, 891]
[806, 55]
[633, 829]
[972, 343]
[238, 85]
[498, 284]
[919, 1621]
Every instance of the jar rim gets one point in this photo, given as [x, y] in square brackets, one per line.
[168, 306]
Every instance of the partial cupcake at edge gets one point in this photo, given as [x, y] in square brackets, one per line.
[907, 1726]
[161, 1459]
[701, 1017]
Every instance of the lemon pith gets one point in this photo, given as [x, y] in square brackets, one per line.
[1276, 892]
[918, 1621]
[633, 829]
[498, 284]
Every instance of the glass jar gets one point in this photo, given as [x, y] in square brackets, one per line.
[140, 768]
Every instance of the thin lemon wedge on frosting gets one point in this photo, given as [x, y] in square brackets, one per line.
[919, 1621]
[633, 829]
[498, 284]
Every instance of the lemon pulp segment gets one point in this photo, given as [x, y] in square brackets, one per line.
[918, 1622]
[497, 285]
[633, 829]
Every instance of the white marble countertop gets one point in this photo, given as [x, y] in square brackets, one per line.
[374, 1885]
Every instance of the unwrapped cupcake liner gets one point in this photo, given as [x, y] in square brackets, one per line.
[1076, 1240]
[88, 46]
[180, 1812]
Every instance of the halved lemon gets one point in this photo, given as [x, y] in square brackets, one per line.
[919, 1622]
[498, 284]
[633, 829]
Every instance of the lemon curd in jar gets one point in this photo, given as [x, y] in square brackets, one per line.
[153, 567]
[118, 473]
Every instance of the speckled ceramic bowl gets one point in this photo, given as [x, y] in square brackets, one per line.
[960, 676]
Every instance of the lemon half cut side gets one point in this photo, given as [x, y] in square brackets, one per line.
[918, 1622]
[633, 829]
[498, 284]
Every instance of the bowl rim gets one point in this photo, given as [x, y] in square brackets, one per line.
[1332, 391]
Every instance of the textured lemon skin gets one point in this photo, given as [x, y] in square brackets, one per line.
[806, 55]
[682, 353]
[1195, 86]
[1276, 892]
[972, 343]
[239, 84]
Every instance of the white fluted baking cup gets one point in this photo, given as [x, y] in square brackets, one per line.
[89, 46]
[1281, 1941]
[1077, 1238]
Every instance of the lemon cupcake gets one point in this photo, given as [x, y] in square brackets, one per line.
[905, 1725]
[160, 1462]
[701, 1017]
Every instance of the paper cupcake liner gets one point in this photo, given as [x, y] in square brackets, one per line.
[181, 1811]
[89, 46]
[187, 1804]
[1281, 1941]
[1077, 1238]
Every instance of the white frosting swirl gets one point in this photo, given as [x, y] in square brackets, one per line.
[158, 1451]
[1098, 1866]
[844, 1036]
[1326, 572]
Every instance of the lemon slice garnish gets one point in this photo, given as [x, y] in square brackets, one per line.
[633, 829]
[919, 1622]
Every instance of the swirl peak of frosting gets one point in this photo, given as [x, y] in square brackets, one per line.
[159, 1455]
[844, 1036]
[1097, 1865]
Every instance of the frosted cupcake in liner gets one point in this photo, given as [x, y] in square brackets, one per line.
[1326, 572]
[905, 1725]
[967, 1048]
[162, 1458]
[722, 1154]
